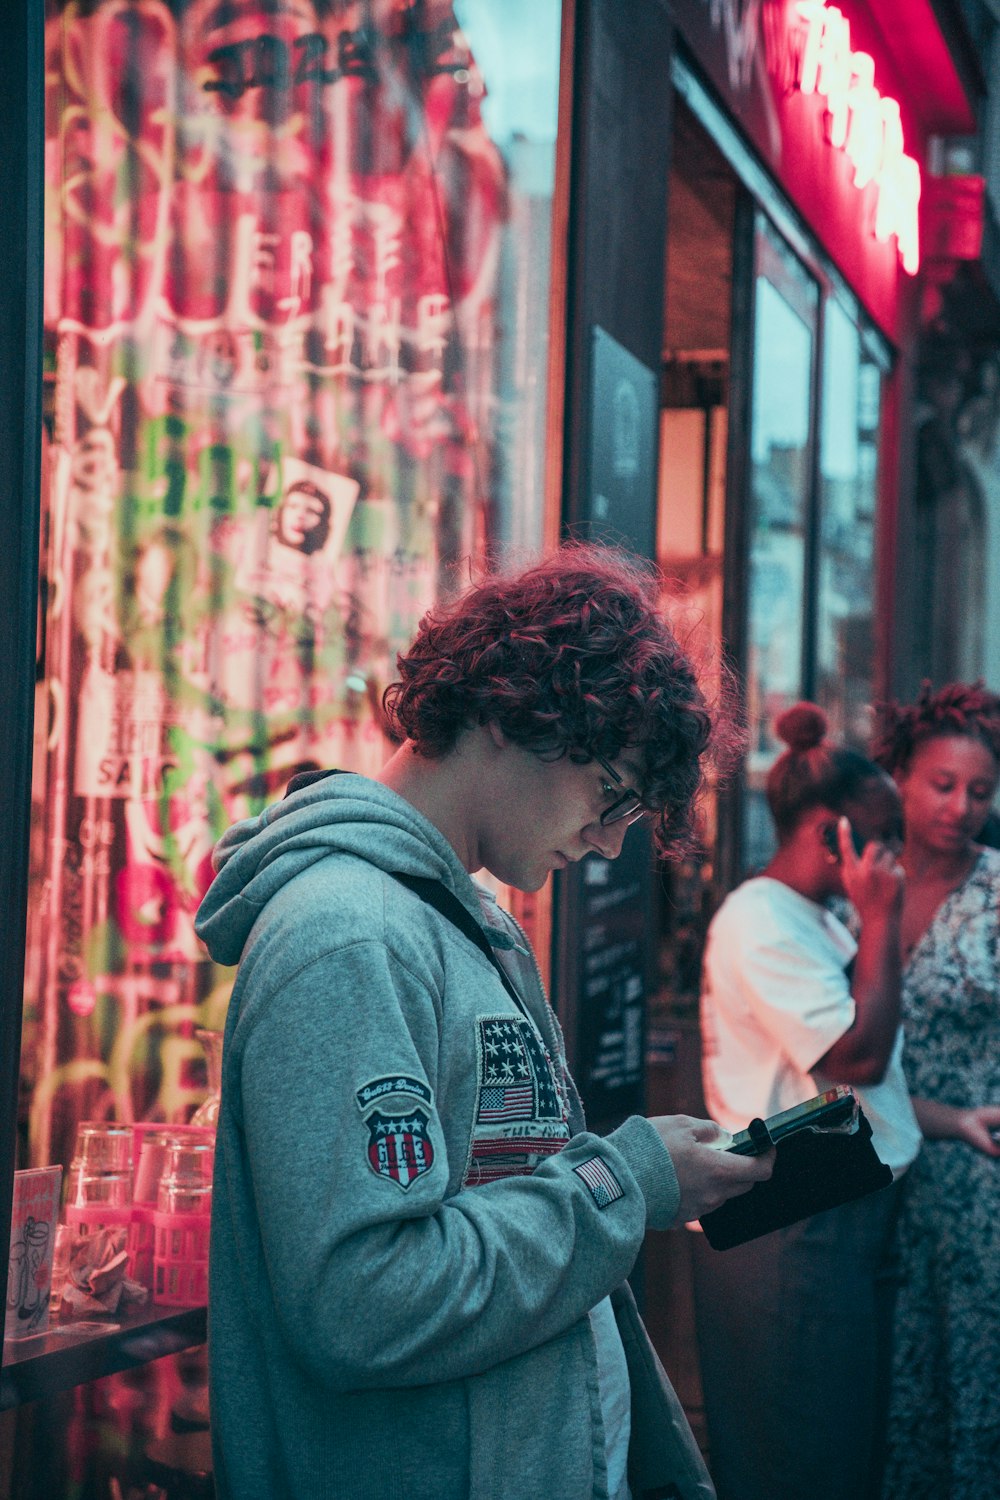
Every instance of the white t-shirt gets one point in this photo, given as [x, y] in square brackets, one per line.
[775, 998]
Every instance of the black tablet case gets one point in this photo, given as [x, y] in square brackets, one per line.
[814, 1169]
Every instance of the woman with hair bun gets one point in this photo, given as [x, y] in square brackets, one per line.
[944, 1428]
[794, 1327]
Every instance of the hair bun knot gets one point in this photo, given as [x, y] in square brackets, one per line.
[801, 727]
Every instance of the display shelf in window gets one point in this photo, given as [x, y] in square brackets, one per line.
[70, 1354]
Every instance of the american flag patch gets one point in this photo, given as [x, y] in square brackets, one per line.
[599, 1178]
[515, 1075]
[507, 1102]
[520, 1111]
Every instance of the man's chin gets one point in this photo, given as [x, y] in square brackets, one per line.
[529, 881]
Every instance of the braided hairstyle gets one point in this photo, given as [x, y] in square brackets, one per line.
[813, 771]
[963, 709]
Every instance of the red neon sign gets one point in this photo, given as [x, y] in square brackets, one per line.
[863, 123]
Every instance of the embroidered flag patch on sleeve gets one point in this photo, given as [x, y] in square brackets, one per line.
[599, 1178]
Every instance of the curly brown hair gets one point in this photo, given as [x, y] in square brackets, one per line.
[813, 771]
[570, 657]
[958, 708]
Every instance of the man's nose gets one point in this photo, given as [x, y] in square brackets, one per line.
[606, 838]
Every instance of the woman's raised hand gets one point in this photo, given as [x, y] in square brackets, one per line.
[873, 880]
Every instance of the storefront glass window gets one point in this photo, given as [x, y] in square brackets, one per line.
[517, 47]
[296, 312]
[786, 301]
[848, 462]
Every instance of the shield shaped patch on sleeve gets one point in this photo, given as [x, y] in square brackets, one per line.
[399, 1148]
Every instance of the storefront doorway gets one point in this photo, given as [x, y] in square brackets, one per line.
[768, 497]
[771, 398]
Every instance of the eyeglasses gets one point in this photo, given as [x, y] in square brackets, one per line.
[629, 807]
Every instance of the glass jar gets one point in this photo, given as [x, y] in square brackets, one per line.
[207, 1112]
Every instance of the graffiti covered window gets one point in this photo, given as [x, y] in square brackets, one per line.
[296, 303]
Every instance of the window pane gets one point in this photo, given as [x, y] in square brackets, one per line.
[780, 452]
[296, 278]
[845, 638]
[516, 46]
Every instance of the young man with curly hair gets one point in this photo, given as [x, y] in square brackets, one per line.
[419, 1251]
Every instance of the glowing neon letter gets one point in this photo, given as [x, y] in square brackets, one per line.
[863, 123]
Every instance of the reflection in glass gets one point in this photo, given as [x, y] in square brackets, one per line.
[516, 46]
[848, 460]
[784, 338]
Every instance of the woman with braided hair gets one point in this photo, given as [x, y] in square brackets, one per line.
[793, 1327]
[944, 1431]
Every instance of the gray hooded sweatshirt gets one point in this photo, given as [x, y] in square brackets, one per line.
[410, 1220]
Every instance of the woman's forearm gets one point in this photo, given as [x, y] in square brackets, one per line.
[862, 1054]
[939, 1122]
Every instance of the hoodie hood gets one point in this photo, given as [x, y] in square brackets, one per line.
[341, 814]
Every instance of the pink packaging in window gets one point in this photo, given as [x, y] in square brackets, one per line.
[34, 1215]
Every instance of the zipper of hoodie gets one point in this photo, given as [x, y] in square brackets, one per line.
[554, 1039]
[530, 951]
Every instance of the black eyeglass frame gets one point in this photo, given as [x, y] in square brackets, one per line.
[628, 807]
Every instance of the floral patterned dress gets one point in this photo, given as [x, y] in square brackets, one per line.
[944, 1426]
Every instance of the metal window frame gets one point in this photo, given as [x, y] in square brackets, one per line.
[22, 82]
[761, 205]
